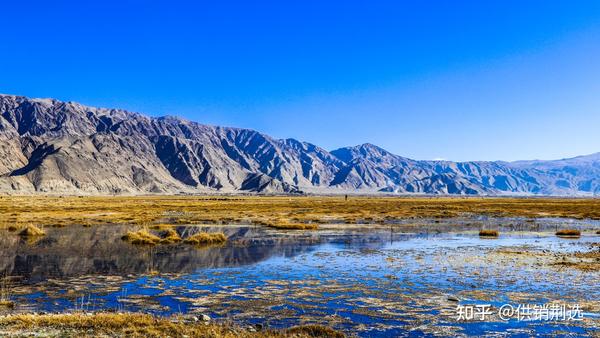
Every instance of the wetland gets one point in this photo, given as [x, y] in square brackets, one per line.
[374, 267]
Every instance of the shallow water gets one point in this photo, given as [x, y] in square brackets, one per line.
[371, 281]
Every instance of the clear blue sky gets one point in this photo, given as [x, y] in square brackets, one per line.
[459, 80]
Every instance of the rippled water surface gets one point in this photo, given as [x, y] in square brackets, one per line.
[402, 280]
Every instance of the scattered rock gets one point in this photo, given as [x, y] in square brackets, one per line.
[453, 298]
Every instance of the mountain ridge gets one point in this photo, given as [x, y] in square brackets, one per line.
[50, 146]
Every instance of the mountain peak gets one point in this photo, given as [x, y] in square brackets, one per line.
[365, 151]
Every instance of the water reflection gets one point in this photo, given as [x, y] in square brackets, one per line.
[75, 251]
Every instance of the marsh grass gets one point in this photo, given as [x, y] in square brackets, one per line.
[293, 226]
[32, 231]
[206, 238]
[141, 237]
[161, 226]
[170, 236]
[142, 325]
[315, 331]
[147, 210]
[489, 233]
[571, 233]
[5, 293]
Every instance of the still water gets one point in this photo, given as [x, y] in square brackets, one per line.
[402, 280]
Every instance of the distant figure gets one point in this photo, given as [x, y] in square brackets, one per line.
[345, 197]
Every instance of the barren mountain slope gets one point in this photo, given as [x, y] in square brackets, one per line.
[64, 147]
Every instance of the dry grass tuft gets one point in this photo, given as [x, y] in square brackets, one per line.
[315, 331]
[206, 238]
[293, 226]
[170, 236]
[162, 226]
[489, 233]
[5, 292]
[568, 233]
[141, 237]
[32, 231]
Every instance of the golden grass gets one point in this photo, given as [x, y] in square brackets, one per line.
[489, 233]
[32, 231]
[315, 331]
[568, 233]
[141, 325]
[588, 261]
[293, 226]
[5, 293]
[206, 238]
[141, 237]
[170, 236]
[162, 226]
[149, 210]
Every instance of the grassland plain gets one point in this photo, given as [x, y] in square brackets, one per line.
[56, 211]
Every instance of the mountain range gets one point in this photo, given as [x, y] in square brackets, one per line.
[49, 146]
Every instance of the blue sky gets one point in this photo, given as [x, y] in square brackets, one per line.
[459, 80]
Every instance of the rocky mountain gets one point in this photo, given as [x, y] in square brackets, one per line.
[50, 146]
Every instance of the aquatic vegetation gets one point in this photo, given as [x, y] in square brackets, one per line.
[293, 226]
[568, 233]
[5, 292]
[145, 237]
[489, 233]
[315, 331]
[139, 325]
[206, 238]
[587, 261]
[141, 237]
[162, 226]
[170, 236]
[32, 231]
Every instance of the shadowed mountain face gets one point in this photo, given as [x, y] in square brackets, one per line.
[64, 147]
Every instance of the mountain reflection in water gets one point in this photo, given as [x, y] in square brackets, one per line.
[75, 251]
